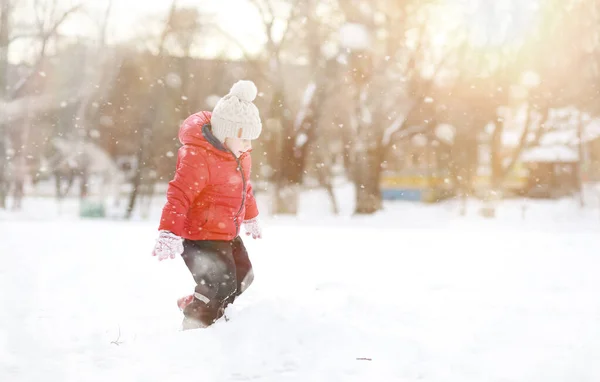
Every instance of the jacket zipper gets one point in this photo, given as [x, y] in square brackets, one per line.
[241, 170]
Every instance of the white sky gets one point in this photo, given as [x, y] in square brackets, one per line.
[237, 16]
[241, 20]
[130, 18]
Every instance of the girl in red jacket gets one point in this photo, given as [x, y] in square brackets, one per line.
[208, 200]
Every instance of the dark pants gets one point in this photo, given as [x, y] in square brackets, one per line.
[222, 271]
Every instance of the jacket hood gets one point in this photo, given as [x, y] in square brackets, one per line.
[196, 131]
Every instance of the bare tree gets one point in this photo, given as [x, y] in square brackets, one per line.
[149, 121]
[378, 124]
[49, 17]
[550, 91]
[98, 80]
[5, 12]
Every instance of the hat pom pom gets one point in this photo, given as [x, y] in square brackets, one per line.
[244, 90]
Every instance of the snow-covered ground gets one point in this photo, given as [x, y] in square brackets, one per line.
[415, 293]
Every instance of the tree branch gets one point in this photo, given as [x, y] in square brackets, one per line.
[167, 28]
[293, 14]
[519, 149]
[263, 15]
[416, 105]
[45, 36]
[252, 61]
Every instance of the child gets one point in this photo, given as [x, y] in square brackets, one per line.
[208, 200]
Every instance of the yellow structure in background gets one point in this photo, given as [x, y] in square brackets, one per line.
[415, 186]
[426, 187]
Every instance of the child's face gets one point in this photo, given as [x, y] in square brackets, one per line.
[238, 146]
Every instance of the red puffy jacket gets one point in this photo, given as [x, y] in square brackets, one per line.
[210, 195]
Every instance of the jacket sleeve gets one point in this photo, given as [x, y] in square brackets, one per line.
[251, 207]
[191, 176]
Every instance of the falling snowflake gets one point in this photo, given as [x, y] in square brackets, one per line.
[354, 36]
[173, 80]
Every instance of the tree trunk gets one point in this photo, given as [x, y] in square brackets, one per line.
[145, 137]
[332, 199]
[292, 160]
[3, 164]
[523, 143]
[368, 199]
[137, 177]
[496, 172]
[4, 40]
[84, 177]
[134, 193]
[325, 181]
[146, 204]
[367, 176]
[149, 118]
[582, 160]
[62, 192]
[286, 199]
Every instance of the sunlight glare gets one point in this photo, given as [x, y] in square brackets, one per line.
[495, 23]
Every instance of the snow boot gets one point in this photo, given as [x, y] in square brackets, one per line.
[185, 301]
[198, 314]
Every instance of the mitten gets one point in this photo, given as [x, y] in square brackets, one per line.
[168, 245]
[252, 227]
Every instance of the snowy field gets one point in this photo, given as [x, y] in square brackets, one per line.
[416, 293]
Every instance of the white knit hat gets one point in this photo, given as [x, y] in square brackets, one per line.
[235, 116]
